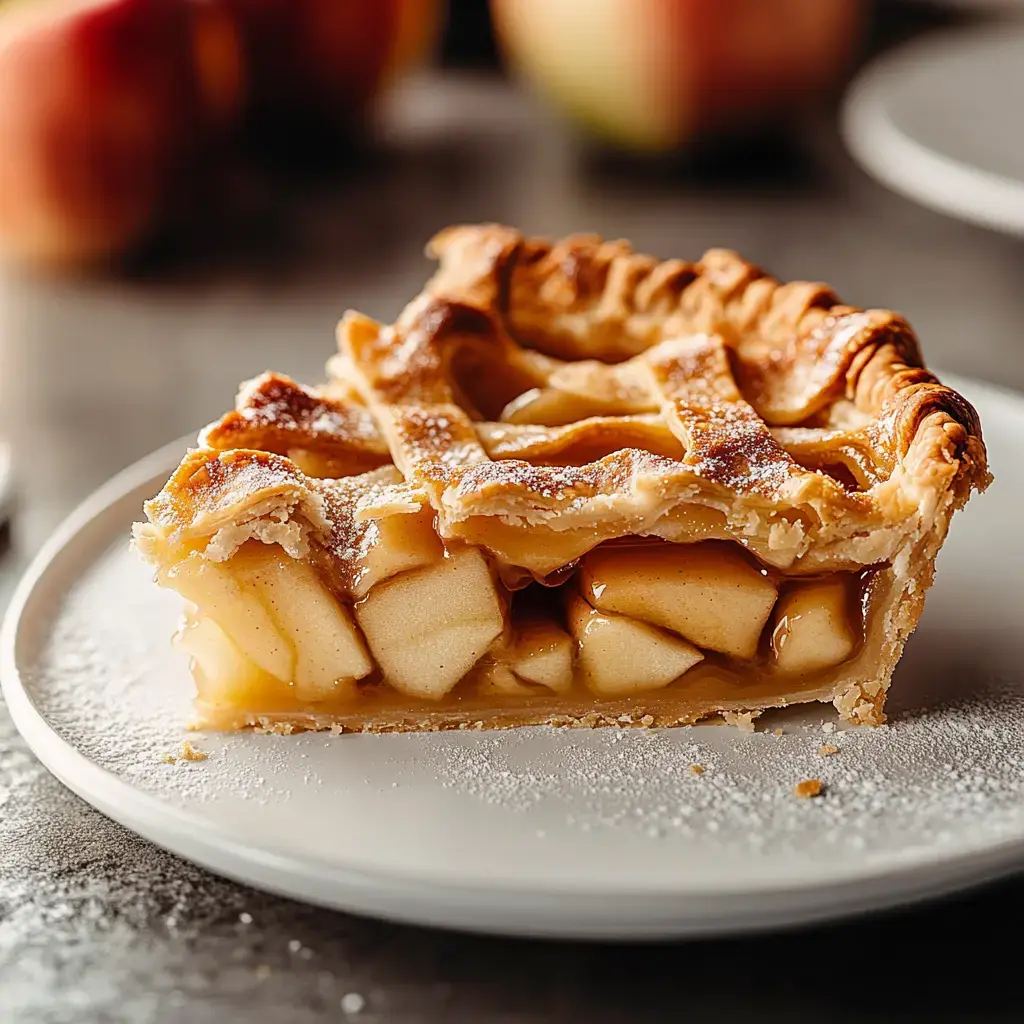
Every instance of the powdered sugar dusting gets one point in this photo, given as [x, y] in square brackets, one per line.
[918, 782]
[946, 777]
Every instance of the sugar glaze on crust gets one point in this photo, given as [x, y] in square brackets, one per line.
[539, 399]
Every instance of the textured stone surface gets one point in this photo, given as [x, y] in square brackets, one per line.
[96, 925]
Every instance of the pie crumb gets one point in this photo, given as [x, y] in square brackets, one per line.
[828, 749]
[262, 725]
[697, 769]
[647, 720]
[167, 757]
[742, 720]
[808, 788]
[190, 753]
[778, 732]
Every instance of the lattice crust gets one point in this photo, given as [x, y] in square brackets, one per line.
[809, 429]
[538, 399]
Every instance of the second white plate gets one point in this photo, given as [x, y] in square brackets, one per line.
[938, 121]
[599, 834]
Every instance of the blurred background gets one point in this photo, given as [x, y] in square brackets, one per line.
[192, 192]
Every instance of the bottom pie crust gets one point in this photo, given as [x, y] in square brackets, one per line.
[658, 711]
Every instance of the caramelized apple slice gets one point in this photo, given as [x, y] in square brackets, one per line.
[222, 673]
[238, 610]
[550, 407]
[499, 681]
[541, 652]
[427, 628]
[331, 467]
[812, 627]
[329, 652]
[619, 656]
[394, 544]
[708, 593]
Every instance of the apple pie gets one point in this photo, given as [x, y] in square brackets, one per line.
[572, 484]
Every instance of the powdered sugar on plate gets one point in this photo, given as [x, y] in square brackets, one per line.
[916, 782]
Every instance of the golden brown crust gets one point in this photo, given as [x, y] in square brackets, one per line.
[274, 414]
[795, 349]
[808, 424]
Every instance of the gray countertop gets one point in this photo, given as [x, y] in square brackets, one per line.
[95, 925]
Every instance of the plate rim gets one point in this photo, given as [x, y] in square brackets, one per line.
[422, 897]
[936, 181]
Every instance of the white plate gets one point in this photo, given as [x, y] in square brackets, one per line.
[938, 121]
[603, 833]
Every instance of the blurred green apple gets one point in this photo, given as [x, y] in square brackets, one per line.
[650, 74]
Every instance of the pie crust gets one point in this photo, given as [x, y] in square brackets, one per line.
[571, 484]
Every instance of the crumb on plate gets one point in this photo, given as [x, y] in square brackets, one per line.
[190, 753]
[742, 720]
[809, 788]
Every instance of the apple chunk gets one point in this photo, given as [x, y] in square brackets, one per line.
[238, 610]
[541, 652]
[223, 674]
[619, 656]
[329, 652]
[708, 593]
[394, 544]
[812, 627]
[427, 628]
[500, 681]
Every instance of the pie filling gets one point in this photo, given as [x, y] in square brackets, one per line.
[636, 627]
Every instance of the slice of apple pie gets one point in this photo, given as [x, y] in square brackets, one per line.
[571, 484]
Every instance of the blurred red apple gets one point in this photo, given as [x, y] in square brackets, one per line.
[652, 73]
[320, 62]
[96, 114]
[107, 106]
